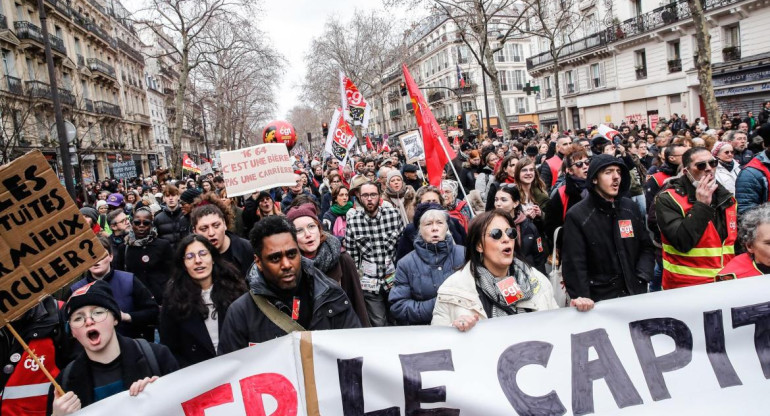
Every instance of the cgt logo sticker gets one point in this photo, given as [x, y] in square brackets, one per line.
[626, 229]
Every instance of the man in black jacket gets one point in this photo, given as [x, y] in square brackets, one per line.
[606, 252]
[210, 222]
[171, 223]
[289, 283]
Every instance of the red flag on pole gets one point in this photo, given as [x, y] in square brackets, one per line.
[369, 145]
[437, 150]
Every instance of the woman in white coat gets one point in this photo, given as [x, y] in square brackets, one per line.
[728, 169]
[493, 282]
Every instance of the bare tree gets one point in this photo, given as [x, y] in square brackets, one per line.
[364, 48]
[556, 23]
[192, 27]
[703, 61]
[306, 119]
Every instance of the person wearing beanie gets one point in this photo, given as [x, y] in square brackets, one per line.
[138, 308]
[751, 187]
[425, 197]
[325, 251]
[606, 250]
[102, 208]
[399, 196]
[434, 257]
[188, 198]
[109, 363]
[411, 178]
[289, 283]
[92, 219]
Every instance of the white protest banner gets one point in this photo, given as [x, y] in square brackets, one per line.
[257, 168]
[206, 168]
[259, 380]
[608, 133]
[702, 350]
[412, 144]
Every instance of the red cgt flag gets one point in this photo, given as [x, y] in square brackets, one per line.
[369, 145]
[432, 135]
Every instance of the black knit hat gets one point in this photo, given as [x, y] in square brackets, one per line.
[189, 195]
[97, 293]
[422, 208]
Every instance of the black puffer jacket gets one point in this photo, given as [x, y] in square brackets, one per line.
[172, 226]
[152, 264]
[245, 323]
[601, 260]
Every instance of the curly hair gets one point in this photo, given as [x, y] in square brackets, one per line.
[750, 222]
[212, 199]
[268, 226]
[183, 296]
[429, 188]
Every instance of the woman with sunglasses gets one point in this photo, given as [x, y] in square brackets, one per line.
[145, 255]
[727, 170]
[203, 287]
[491, 268]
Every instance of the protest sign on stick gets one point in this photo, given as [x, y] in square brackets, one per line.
[411, 142]
[44, 240]
[124, 170]
[257, 168]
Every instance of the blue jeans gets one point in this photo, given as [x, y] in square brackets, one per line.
[657, 276]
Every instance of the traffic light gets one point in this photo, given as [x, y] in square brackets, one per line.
[403, 89]
[325, 129]
[460, 122]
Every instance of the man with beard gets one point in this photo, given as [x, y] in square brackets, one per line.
[698, 223]
[171, 223]
[606, 252]
[370, 239]
[286, 292]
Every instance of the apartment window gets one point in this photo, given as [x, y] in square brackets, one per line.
[492, 108]
[66, 81]
[9, 64]
[674, 56]
[31, 69]
[462, 54]
[591, 24]
[517, 52]
[58, 32]
[504, 78]
[640, 64]
[522, 106]
[19, 12]
[731, 47]
[636, 7]
[469, 105]
[519, 79]
[569, 81]
[547, 84]
[84, 88]
[595, 75]
[500, 55]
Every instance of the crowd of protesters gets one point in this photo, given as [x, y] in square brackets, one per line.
[542, 221]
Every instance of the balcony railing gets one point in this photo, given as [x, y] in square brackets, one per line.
[98, 65]
[27, 30]
[395, 113]
[674, 65]
[60, 6]
[103, 107]
[394, 96]
[658, 18]
[731, 53]
[79, 19]
[66, 97]
[130, 51]
[38, 89]
[436, 96]
[98, 7]
[468, 89]
[89, 105]
[167, 71]
[14, 85]
[101, 33]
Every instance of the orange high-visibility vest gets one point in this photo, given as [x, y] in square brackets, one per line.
[554, 163]
[704, 261]
[660, 178]
[739, 267]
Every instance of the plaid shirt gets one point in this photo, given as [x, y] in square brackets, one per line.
[374, 239]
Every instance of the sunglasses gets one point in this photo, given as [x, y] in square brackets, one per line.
[497, 233]
[580, 163]
[702, 165]
[142, 222]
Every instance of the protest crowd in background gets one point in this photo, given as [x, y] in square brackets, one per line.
[546, 220]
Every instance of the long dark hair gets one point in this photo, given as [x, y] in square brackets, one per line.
[476, 230]
[183, 295]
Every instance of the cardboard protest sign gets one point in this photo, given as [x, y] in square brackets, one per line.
[702, 350]
[124, 170]
[206, 168]
[44, 241]
[411, 142]
[257, 168]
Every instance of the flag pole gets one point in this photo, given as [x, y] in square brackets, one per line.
[459, 183]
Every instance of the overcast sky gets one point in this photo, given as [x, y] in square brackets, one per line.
[290, 25]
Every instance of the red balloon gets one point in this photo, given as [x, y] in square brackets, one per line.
[279, 131]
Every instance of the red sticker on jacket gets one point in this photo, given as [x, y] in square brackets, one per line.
[295, 309]
[510, 290]
[626, 229]
[539, 245]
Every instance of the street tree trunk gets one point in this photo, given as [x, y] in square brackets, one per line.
[703, 61]
[495, 80]
[176, 144]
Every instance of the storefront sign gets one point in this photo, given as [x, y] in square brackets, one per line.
[754, 76]
[746, 89]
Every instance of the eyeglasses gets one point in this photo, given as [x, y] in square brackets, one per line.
[142, 222]
[702, 165]
[311, 229]
[497, 233]
[97, 315]
[123, 221]
[369, 196]
[729, 152]
[580, 163]
[202, 254]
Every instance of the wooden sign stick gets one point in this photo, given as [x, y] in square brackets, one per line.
[34, 357]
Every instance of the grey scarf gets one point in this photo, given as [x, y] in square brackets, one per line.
[487, 283]
[328, 254]
[141, 242]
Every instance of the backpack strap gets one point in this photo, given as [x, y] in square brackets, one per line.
[149, 355]
[279, 318]
[65, 376]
